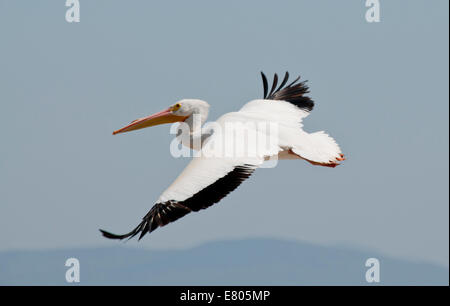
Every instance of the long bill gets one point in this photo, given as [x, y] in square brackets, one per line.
[165, 116]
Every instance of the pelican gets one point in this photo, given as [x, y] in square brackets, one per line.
[210, 177]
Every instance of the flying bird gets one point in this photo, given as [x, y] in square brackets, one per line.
[208, 178]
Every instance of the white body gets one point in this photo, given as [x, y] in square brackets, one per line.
[293, 143]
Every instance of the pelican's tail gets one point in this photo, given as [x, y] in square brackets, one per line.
[319, 149]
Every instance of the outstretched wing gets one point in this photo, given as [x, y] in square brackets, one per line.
[204, 182]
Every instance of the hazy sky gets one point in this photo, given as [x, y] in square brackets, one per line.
[381, 90]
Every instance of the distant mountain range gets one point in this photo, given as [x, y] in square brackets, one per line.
[243, 262]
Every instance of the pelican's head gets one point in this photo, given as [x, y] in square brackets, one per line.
[178, 112]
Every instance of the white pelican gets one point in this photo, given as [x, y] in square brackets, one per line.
[209, 178]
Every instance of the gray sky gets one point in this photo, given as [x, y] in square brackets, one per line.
[380, 89]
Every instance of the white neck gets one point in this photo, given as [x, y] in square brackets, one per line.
[193, 138]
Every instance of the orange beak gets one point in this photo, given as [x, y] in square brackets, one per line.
[162, 117]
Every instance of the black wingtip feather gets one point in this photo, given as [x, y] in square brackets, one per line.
[111, 235]
[265, 84]
[274, 84]
[129, 235]
[286, 77]
[293, 93]
[295, 81]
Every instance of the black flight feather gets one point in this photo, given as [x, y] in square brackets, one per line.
[274, 84]
[264, 84]
[164, 213]
[294, 93]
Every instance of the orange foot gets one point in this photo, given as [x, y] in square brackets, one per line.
[342, 158]
[331, 164]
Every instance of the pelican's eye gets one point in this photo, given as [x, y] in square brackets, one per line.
[175, 107]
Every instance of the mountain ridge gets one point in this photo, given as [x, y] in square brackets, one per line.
[257, 261]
